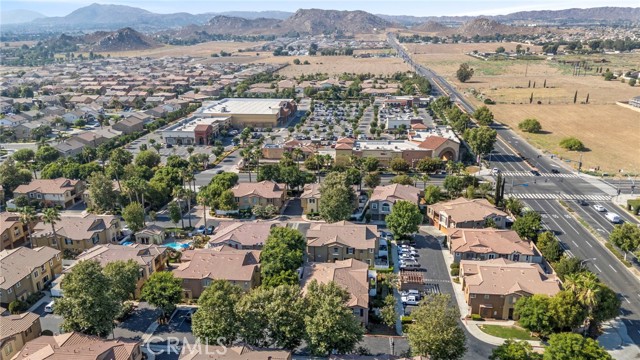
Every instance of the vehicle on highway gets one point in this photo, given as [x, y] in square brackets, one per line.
[495, 171]
[535, 172]
[410, 300]
[613, 217]
[555, 171]
[599, 208]
[169, 146]
[582, 203]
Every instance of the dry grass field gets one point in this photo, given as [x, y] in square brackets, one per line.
[611, 132]
[198, 50]
[334, 65]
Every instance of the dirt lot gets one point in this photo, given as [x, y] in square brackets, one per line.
[339, 64]
[611, 132]
[203, 50]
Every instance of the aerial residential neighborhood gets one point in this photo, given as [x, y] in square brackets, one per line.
[253, 181]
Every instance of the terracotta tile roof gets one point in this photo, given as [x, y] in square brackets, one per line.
[395, 192]
[419, 126]
[15, 324]
[346, 140]
[266, 189]
[243, 232]
[17, 263]
[105, 254]
[76, 227]
[201, 127]
[433, 142]
[343, 232]
[462, 210]
[47, 186]
[152, 229]
[221, 263]
[8, 220]
[504, 277]
[311, 191]
[76, 346]
[241, 352]
[350, 274]
[483, 241]
[344, 146]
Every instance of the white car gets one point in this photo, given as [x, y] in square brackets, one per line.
[410, 300]
[411, 253]
[407, 247]
[405, 256]
[410, 292]
[599, 208]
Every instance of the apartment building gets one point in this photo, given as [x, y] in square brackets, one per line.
[60, 192]
[78, 233]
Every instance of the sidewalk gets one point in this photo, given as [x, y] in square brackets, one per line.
[617, 342]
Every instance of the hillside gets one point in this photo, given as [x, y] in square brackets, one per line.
[121, 40]
[431, 27]
[19, 16]
[316, 21]
[486, 27]
[240, 26]
[599, 14]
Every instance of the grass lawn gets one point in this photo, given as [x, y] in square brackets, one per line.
[507, 332]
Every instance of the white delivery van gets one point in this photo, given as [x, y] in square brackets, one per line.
[613, 217]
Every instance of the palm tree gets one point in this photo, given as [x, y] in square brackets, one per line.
[27, 217]
[514, 205]
[587, 288]
[178, 193]
[246, 157]
[51, 216]
[203, 199]
[297, 155]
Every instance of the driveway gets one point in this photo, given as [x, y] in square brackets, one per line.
[294, 208]
[48, 321]
[137, 323]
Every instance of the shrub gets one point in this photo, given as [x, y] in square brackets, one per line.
[46, 333]
[530, 126]
[455, 272]
[406, 319]
[476, 317]
[454, 265]
[17, 307]
[572, 143]
[489, 102]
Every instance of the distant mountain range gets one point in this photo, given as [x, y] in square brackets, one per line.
[306, 21]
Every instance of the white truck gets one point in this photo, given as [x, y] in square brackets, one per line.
[613, 217]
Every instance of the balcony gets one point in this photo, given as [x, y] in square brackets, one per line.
[381, 262]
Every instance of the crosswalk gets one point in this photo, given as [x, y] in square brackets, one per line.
[552, 196]
[432, 289]
[529, 174]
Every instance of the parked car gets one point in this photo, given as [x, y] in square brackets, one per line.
[169, 146]
[49, 307]
[405, 251]
[201, 229]
[495, 171]
[410, 300]
[599, 208]
[409, 264]
[406, 256]
[209, 230]
[410, 292]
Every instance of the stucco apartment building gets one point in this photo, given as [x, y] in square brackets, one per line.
[242, 235]
[491, 288]
[61, 192]
[341, 241]
[78, 233]
[489, 243]
[262, 193]
[12, 232]
[25, 271]
[199, 267]
[17, 330]
[464, 213]
[384, 197]
[150, 258]
[350, 274]
[251, 112]
[75, 345]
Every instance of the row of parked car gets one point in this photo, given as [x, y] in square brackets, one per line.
[407, 255]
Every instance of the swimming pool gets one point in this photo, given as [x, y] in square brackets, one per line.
[177, 246]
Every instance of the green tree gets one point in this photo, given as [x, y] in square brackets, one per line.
[402, 180]
[481, 139]
[101, 192]
[133, 215]
[404, 219]
[626, 237]
[572, 143]
[570, 346]
[600, 302]
[514, 205]
[11, 176]
[47, 154]
[608, 76]
[330, 323]
[216, 318]
[453, 185]
[123, 278]
[566, 311]
[514, 350]
[435, 331]
[282, 255]
[399, 165]
[528, 225]
[429, 165]
[432, 194]
[549, 246]
[388, 312]
[372, 180]
[569, 265]
[464, 73]
[370, 164]
[51, 216]
[483, 115]
[530, 125]
[534, 315]
[23, 155]
[89, 305]
[121, 157]
[163, 291]
[175, 213]
[337, 198]
[27, 218]
[148, 158]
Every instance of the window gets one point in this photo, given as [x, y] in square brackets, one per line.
[8, 349]
[487, 296]
[370, 251]
[361, 312]
[50, 262]
[95, 239]
[57, 256]
[335, 250]
[9, 291]
[39, 196]
[374, 206]
[385, 207]
[68, 241]
[18, 284]
[312, 201]
[492, 256]
[351, 250]
[472, 296]
[35, 273]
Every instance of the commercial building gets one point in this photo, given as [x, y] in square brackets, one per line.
[195, 130]
[260, 113]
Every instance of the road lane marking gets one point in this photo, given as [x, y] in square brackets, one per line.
[597, 267]
[612, 268]
[625, 299]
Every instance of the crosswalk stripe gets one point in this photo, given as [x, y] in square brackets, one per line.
[555, 196]
[528, 174]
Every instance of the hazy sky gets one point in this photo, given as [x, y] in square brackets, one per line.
[391, 7]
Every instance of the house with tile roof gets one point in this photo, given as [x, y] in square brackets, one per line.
[344, 240]
[490, 243]
[12, 232]
[384, 197]
[78, 346]
[243, 235]
[199, 267]
[237, 352]
[150, 258]
[151, 234]
[261, 193]
[60, 192]
[350, 274]
[78, 233]
[464, 213]
[492, 287]
[24, 271]
[17, 330]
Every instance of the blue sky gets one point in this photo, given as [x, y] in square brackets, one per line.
[391, 7]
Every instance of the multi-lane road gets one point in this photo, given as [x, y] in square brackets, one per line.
[557, 181]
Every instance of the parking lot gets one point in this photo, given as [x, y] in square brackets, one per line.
[328, 122]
